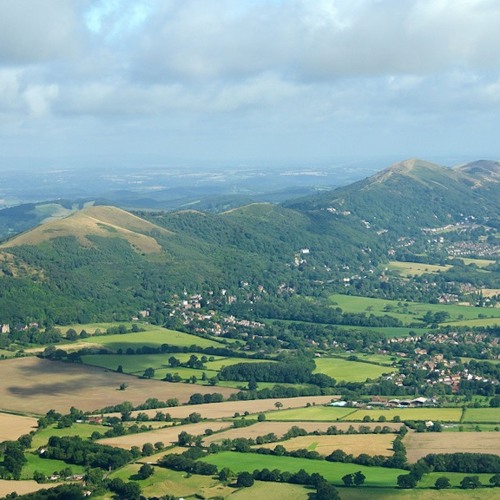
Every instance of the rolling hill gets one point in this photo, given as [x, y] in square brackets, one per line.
[103, 263]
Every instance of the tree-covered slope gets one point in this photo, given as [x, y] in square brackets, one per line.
[410, 195]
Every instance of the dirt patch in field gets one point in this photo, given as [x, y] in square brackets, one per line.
[420, 444]
[13, 426]
[229, 408]
[34, 385]
[167, 436]
[22, 487]
[280, 429]
[354, 444]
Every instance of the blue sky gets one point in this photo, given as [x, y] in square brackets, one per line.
[233, 82]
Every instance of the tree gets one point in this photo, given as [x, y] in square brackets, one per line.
[225, 475]
[145, 471]
[245, 480]
[470, 483]
[359, 478]
[325, 491]
[495, 480]
[149, 373]
[278, 405]
[407, 481]
[442, 483]
[147, 449]
[348, 479]
[261, 417]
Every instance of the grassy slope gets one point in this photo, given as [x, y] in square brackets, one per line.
[349, 371]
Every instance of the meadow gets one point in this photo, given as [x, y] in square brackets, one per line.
[349, 371]
[420, 444]
[408, 312]
[422, 414]
[482, 415]
[331, 471]
[82, 430]
[408, 269]
[276, 491]
[153, 336]
[168, 482]
[455, 477]
[47, 466]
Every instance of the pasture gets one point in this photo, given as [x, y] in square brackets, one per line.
[168, 482]
[46, 465]
[313, 413]
[331, 471]
[349, 371]
[482, 415]
[434, 414]
[408, 312]
[153, 336]
[167, 435]
[354, 444]
[477, 262]
[14, 426]
[34, 385]
[83, 430]
[227, 409]
[408, 269]
[415, 494]
[420, 444]
[455, 477]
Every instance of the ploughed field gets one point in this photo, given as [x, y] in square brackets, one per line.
[33, 385]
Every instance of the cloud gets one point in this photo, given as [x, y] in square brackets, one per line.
[306, 71]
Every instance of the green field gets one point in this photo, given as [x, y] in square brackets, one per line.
[168, 482]
[482, 415]
[380, 359]
[47, 466]
[408, 269]
[434, 414]
[312, 413]
[478, 262]
[135, 364]
[455, 477]
[349, 371]
[491, 321]
[91, 328]
[273, 491]
[154, 336]
[416, 494]
[83, 430]
[331, 471]
[408, 312]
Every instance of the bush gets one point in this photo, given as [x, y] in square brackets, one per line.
[245, 480]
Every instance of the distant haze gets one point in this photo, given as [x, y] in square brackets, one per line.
[189, 84]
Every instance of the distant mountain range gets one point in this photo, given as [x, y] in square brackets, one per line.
[102, 262]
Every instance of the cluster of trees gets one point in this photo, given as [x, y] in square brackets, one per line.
[295, 370]
[463, 462]
[13, 457]
[75, 450]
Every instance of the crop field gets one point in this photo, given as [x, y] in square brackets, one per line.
[381, 359]
[490, 292]
[47, 466]
[479, 415]
[355, 444]
[434, 414]
[349, 371]
[168, 482]
[168, 435]
[420, 444]
[408, 269]
[35, 385]
[490, 321]
[332, 472]
[83, 430]
[478, 262]
[14, 426]
[408, 312]
[276, 491]
[22, 487]
[227, 409]
[154, 336]
[313, 413]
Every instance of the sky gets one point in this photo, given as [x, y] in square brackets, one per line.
[131, 83]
